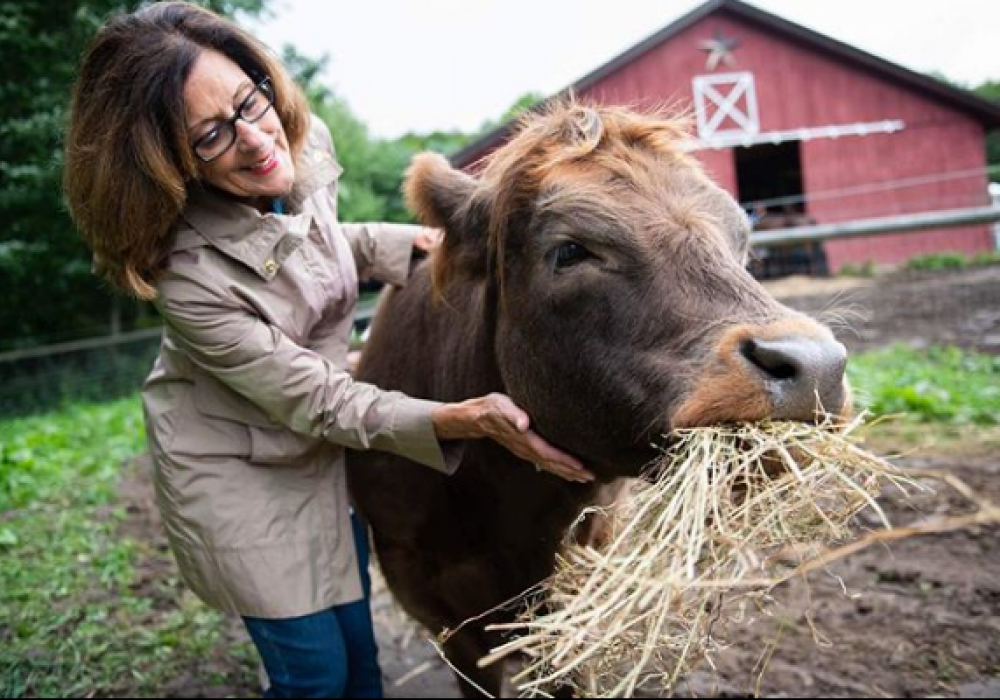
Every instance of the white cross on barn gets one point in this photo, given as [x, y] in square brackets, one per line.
[725, 105]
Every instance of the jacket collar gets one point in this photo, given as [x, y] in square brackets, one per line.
[262, 242]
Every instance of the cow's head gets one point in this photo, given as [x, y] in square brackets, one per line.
[619, 300]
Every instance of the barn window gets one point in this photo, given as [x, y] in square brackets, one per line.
[725, 105]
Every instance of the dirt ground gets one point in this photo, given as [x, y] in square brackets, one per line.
[919, 619]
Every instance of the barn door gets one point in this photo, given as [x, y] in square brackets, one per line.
[769, 183]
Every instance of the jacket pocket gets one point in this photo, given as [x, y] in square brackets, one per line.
[281, 446]
[266, 441]
[213, 398]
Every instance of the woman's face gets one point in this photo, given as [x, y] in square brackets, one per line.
[258, 166]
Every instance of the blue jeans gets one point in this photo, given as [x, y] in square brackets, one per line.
[329, 654]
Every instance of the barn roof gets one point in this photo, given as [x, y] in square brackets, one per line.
[988, 113]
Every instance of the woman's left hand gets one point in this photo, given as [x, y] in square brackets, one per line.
[428, 239]
[497, 417]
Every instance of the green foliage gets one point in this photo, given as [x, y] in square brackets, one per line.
[43, 456]
[41, 384]
[943, 384]
[990, 90]
[521, 105]
[983, 259]
[306, 71]
[41, 258]
[371, 185]
[447, 143]
[938, 261]
[81, 617]
[866, 269]
[373, 169]
[952, 261]
[43, 263]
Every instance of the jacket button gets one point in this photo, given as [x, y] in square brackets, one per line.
[270, 267]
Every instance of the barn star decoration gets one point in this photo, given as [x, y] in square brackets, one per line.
[720, 50]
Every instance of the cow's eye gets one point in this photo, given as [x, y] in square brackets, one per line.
[569, 254]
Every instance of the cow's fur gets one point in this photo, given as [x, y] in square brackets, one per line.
[596, 275]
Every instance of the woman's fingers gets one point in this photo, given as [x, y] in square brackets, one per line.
[554, 460]
[511, 428]
[511, 413]
[545, 452]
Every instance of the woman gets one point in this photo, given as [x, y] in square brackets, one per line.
[200, 181]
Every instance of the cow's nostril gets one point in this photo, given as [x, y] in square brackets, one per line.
[803, 375]
[773, 359]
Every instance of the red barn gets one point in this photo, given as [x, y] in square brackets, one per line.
[802, 128]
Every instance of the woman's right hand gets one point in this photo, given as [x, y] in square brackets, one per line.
[497, 417]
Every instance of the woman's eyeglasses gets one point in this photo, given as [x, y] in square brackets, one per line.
[222, 137]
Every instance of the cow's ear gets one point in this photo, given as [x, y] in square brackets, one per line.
[449, 199]
[437, 192]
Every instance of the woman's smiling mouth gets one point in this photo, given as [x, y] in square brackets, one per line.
[264, 167]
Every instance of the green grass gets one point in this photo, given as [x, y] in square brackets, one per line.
[84, 609]
[866, 269]
[43, 458]
[952, 261]
[87, 610]
[940, 384]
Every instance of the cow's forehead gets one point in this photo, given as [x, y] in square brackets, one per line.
[649, 196]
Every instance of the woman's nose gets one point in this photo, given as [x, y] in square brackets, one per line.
[250, 137]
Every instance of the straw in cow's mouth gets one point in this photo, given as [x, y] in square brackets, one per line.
[730, 513]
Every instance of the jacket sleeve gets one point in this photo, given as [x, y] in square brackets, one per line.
[293, 385]
[382, 251]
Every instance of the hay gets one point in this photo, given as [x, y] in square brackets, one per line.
[726, 515]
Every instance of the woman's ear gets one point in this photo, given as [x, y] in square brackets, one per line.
[449, 199]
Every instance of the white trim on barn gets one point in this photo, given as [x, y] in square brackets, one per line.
[730, 140]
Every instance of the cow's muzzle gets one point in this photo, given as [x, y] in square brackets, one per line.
[787, 370]
[803, 376]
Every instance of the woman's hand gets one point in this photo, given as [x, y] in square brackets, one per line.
[428, 239]
[496, 417]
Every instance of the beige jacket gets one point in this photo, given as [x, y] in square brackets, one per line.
[249, 406]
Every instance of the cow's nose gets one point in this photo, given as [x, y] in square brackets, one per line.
[803, 375]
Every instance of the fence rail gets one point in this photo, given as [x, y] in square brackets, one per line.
[905, 223]
[78, 345]
[42, 378]
[37, 379]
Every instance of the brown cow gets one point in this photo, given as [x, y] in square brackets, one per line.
[597, 276]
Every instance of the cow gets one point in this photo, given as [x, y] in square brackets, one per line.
[594, 273]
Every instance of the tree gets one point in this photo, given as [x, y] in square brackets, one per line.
[48, 291]
[521, 105]
[370, 188]
[990, 90]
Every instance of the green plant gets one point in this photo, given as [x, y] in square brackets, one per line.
[944, 384]
[938, 261]
[865, 269]
[86, 609]
[983, 259]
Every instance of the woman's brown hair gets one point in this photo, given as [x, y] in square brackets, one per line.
[128, 159]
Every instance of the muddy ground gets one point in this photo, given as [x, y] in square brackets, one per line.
[919, 619]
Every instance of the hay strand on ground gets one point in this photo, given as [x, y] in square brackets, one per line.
[726, 515]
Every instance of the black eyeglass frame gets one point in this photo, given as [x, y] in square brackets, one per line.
[264, 88]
